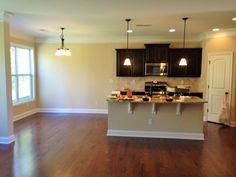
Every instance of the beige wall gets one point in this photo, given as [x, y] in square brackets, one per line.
[80, 81]
[221, 44]
[88, 76]
[29, 107]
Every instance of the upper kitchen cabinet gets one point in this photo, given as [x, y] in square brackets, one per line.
[156, 53]
[194, 62]
[137, 58]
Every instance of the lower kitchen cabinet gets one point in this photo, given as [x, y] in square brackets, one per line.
[137, 58]
[194, 62]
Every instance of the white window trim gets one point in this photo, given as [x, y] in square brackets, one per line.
[33, 89]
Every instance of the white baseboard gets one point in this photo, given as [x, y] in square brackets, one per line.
[232, 123]
[7, 140]
[156, 134]
[59, 110]
[71, 110]
[25, 114]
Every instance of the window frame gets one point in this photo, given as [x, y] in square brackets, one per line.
[31, 98]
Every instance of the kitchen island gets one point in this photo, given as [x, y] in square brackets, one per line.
[181, 118]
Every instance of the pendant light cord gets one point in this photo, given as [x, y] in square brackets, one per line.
[62, 38]
[127, 33]
[185, 19]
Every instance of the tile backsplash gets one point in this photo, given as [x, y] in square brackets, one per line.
[137, 83]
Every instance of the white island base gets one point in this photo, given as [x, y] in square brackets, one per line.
[155, 120]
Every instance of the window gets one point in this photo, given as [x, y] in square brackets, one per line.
[22, 74]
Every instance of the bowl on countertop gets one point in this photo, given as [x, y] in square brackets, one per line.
[145, 98]
[169, 99]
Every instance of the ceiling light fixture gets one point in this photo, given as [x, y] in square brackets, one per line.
[172, 30]
[183, 61]
[62, 51]
[215, 29]
[234, 18]
[130, 31]
[127, 61]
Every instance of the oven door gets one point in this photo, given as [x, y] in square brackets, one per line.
[156, 69]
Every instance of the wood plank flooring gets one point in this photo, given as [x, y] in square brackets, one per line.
[72, 145]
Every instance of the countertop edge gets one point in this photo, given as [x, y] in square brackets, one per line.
[190, 101]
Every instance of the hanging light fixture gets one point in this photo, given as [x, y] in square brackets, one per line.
[183, 61]
[127, 61]
[62, 51]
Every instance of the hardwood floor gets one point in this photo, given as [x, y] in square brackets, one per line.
[70, 145]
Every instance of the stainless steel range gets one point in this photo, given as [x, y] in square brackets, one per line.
[155, 87]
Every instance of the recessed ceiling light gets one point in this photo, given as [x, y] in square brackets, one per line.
[172, 30]
[129, 31]
[215, 29]
[234, 18]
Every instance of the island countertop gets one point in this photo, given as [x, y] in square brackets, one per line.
[159, 100]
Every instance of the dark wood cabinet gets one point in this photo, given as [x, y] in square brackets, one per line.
[156, 53]
[137, 58]
[194, 61]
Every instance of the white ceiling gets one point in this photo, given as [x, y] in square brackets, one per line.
[104, 20]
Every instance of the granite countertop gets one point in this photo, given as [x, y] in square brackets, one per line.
[160, 100]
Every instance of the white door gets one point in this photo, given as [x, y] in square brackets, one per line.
[219, 83]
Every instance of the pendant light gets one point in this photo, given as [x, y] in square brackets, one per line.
[62, 51]
[183, 61]
[127, 61]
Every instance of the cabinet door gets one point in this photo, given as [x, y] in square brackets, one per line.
[163, 54]
[137, 57]
[122, 70]
[150, 54]
[194, 60]
[157, 53]
[195, 63]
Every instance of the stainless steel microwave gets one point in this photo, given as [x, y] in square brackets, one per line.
[156, 69]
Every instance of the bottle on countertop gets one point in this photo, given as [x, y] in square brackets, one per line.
[129, 93]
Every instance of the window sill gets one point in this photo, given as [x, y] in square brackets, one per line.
[23, 102]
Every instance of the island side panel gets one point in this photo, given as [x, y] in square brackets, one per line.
[165, 120]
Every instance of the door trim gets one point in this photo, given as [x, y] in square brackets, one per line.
[208, 77]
